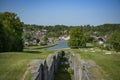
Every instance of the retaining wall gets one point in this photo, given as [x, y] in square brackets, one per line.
[47, 68]
[75, 65]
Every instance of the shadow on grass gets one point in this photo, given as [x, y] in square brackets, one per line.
[32, 52]
[39, 47]
[33, 47]
[82, 47]
[89, 47]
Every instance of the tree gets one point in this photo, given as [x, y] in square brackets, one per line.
[77, 38]
[10, 32]
[45, 39]
[114, 41]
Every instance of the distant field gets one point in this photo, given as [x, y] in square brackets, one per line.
[109, 63]
[14, 64]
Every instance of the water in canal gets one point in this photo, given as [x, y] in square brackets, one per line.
[61, 44]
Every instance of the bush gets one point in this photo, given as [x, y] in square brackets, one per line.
[114, 40]
[43, 43]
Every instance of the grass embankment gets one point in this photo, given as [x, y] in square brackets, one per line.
[14, 64]
[41, 47]
[109, 63]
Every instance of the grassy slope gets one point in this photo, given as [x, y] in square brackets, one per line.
[14, 64]
[109, 63]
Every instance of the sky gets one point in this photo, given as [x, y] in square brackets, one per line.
[66, 12]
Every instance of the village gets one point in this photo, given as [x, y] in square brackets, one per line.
[37, 38]
[59, 39]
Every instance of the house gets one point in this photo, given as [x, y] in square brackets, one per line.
[65, 37]
[100, 40]
[40, 35]
[26, 43]
[50, 40]
[107, 36]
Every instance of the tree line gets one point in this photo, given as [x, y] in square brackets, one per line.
[52, 31]
[57, 30]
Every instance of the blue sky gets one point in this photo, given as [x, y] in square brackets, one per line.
[67, 12]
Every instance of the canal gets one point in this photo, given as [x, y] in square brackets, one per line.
[61, 44]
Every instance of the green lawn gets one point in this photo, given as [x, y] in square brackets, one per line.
[14, 64]
[110, 63]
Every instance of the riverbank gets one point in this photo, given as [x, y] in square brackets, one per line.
[40, 47]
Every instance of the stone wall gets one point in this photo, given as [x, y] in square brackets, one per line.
[46, 68]
[80, 68]
[75, 65]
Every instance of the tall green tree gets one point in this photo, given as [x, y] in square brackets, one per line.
[10, 32]
[77, 38]
[45, 39]
[114, 41]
